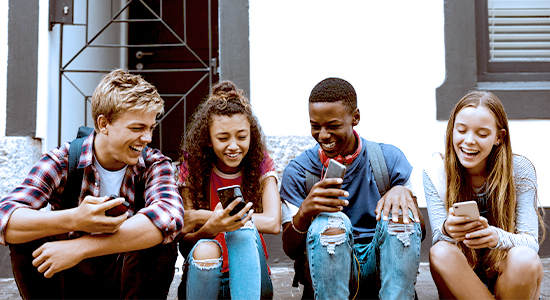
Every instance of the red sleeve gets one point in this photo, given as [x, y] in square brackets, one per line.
[267, 165]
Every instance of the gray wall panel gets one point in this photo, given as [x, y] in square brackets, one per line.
[22, 68]
[234, 43]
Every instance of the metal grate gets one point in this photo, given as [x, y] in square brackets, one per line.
[70, 65]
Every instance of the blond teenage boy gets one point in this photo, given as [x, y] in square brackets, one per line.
[77, 251]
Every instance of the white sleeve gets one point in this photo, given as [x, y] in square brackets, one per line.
[409, 185]
[437, 212]
[526, 229]
[288, 210]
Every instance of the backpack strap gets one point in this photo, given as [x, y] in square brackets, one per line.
[75, 175]
[311, 179]
[379, 168]
[139, 187]
[71, 192]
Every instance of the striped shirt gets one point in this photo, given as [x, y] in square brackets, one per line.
[526, 221]
[45, 183]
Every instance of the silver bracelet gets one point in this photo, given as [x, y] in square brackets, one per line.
[296, 229]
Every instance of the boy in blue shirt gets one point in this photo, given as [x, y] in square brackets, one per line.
[356, 242]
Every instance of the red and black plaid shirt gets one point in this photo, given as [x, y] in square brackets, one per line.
[45, 182]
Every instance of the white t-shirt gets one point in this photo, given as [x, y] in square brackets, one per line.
[110, 181]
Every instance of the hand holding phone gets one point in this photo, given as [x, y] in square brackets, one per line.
[335, 170]
[228, 194]
[467, 208]
[117, 210]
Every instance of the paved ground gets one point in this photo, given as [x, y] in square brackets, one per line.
[282, 283]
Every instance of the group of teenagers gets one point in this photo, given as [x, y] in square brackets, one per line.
[349, 239]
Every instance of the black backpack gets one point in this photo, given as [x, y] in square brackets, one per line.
[75, 175]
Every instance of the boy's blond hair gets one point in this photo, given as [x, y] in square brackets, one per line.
[120, 91]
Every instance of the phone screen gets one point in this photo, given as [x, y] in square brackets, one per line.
[228, 194]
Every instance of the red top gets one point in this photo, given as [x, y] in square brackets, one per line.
[219, 180]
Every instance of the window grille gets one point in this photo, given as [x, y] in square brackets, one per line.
[519, 30]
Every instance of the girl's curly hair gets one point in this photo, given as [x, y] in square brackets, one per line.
[225, 99]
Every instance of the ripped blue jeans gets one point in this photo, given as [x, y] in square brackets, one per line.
[386, 268]
[248, 275]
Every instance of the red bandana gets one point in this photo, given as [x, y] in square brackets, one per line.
[343, 160]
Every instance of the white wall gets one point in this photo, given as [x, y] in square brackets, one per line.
[43, 71]
[392, 52]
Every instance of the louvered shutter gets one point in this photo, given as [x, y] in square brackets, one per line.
[519, 30]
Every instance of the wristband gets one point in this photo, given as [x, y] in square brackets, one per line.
[296, 229]
[445, 230]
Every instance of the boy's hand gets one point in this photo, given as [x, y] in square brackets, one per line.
[323, 197]
[54, 257]
[90, 216]
[398, 197]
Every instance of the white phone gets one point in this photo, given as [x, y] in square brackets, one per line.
[467, 208]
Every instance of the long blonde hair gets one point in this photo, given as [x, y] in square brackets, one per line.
[499, 185]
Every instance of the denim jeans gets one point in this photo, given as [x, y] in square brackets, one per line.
[385, 268]
[143, 274]
[248, 276]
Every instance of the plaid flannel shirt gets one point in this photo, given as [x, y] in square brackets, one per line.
[45, 182]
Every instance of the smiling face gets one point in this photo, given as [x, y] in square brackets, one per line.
[230, 139]
[120, 142]
[474, 134]
[332, 127]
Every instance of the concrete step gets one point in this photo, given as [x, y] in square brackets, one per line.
[282, 284]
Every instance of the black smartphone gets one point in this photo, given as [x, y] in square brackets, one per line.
[119, 209]
[335, 170]
[228, 194]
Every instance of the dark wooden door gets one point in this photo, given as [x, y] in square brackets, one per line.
[174, 45]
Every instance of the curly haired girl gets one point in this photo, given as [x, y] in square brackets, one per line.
[496, 254]
[224, 146]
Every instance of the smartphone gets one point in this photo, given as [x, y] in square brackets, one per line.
[467, 208]
[119, 209]
[228, 194]
[335, 170]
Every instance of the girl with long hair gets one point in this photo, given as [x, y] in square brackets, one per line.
[224, 146]
[495, 255]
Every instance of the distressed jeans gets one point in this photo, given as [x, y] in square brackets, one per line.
[248, 274]
[385, 268]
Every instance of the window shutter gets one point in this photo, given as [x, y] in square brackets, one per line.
[519, 30]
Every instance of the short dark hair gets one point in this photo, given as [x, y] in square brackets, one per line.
[334, 89]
